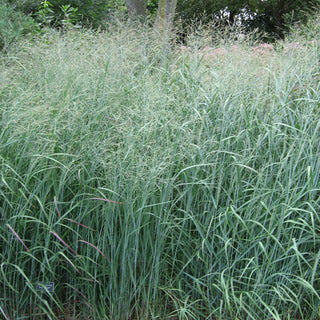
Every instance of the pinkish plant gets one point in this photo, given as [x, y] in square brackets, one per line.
[93, 246]
[292, 47]
[212, 53]
[16, 235]
[63, 242]
[264, 49]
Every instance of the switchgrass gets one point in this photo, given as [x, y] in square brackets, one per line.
[150, 182]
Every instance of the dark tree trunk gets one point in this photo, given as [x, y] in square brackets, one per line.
[136, 7]
[278, 16]
[231, 17]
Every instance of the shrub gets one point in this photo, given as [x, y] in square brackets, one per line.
[13, 25]
[92, 13]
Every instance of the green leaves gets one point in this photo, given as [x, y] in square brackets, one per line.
[45, 13]
[13, 25]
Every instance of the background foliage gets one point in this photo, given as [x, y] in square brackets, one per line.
[13, 25]
[272, 17]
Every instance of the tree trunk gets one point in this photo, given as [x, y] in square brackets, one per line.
[278, 16]
[232, 16]
[278, 20]
[136, 8]
[165, 15]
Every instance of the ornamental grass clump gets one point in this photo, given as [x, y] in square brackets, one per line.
[143, 182]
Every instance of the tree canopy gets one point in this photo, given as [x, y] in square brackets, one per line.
[270, 16]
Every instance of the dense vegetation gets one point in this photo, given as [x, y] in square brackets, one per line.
[13, 25]
[153, 181]
[271, 17]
